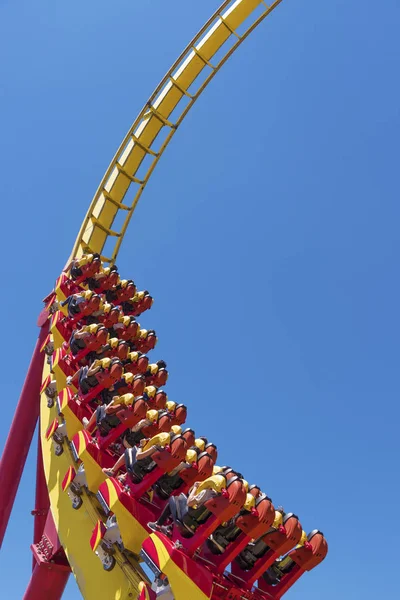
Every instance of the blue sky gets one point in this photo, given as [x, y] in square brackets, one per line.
[275, 214]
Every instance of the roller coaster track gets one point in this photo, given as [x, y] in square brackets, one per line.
[165, 110]
[129, 172]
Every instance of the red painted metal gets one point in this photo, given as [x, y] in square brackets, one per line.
[48, 581]
[20, 435]
[51, 570]
[42, 501]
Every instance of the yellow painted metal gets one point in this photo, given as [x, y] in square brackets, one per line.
[175, 95]
[93, 471]
[72, 422]
[132, 532]
[75, 528]
[184, 588]
[166, 108]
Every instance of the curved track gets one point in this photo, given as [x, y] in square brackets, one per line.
[129, 171]
[140, 150]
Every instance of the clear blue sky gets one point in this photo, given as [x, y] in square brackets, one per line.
[275, 212]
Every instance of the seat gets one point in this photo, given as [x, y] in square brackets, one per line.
[189, 436]
[130, 384]
[211, 449]
[156, 376]
[115, 425]
[253, 522]
[172, 455]
[109, 317]
[136, 363]
[199, 471]
[229, 539]
[178, 417]
[106, 379]
[125, 290]
[146, 341]
[199, 523]
[285, 572]
[95, 342]
[164, 422]
[107, 279]
[185, 478]
[85, 267]
[147, 471]
[225, 505]
[282, 539]
[311, 554]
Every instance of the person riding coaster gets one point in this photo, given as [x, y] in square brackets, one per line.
[109, 317]
[105, 279]
[197, 466]
[84, 267]
[81, 305]
[139, 459]
[124, 290]
[126, 329]
[129, 383]
[214, 496]
[177, 412]
[309, 552]
[145, 341]
[137, 305]
[284, 565]
[89, 338]
[136, 363]
[86, 345]
[161, 425]
[211, 449]
[284, 533]
[122, 409]
[123, 424]
[254, 519]
[138, 429]
[156, 373]
[103, 373]
[155, 397]
[115, 348]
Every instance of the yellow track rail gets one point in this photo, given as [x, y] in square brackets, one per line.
[130, 169]
[174, 97]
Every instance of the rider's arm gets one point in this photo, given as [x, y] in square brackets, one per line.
[95, 368]
[145, 453]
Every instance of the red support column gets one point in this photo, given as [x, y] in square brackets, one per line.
[20, 435]
[48, 581]
[52, 569]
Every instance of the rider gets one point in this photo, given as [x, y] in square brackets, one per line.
[135, 362]
[122, 292]
[104, 370]
[282, 566]
[109, 317]
[88, 265]
[179, 506]
[140, 302]
[139, 452]
[105, 279]
[156, 373]
[82, 304]
[126, 329]
[145, 341]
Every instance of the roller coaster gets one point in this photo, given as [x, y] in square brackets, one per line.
[127, 499]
